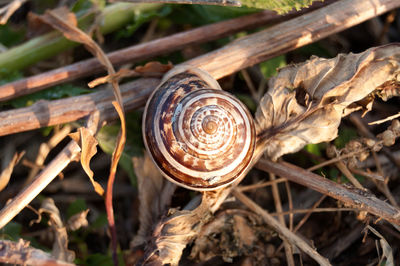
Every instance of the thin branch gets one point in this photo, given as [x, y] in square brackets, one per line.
[356, 198]
[67, 155]
[140, 52]
[260, 185]
[7, 11]
[282, 230]
[389, 118]
[304, 219]
[237, 55]
[281, 219]
[364, 131]
[48, 113]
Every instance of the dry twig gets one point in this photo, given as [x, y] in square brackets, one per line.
[282, 230]
[140, 52]
[362, 200]
[237, 55]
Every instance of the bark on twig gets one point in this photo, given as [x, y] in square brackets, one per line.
[48, 113]
[142, 51]
[237, 55]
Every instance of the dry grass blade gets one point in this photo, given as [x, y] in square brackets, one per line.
[71, 32]
[387, 251]
[356, 198]
[282, 230]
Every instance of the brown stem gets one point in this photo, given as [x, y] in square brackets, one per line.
[141, 51]
[351, 196]
[237, 55]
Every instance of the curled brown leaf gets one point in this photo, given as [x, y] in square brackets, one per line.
[155, 195]
[88, 144]
[60, 249]
[305, 102]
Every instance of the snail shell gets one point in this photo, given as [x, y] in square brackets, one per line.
[199, 136]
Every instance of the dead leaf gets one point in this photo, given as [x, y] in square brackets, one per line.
[6, 173]
[21, 253]
[60, 249]
[232, 233]
[172, 233]
[155, 195]
[387, 251]
[88, 144]
[306, 102]
[151, 69]
[78, 220]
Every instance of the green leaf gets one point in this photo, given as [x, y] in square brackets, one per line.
[345, 135]
[280, 6]
[81, 5]
[10, 37]
[9, 76]
[134, 143]
[314, 149]
[248, 101]
[202, 14]
[76, 206]
[269, 68]
[142, 17]
[53, 93]
[100, 222]
[11, 231]
[97, 260]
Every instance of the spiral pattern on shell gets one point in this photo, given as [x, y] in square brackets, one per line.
[198, 135]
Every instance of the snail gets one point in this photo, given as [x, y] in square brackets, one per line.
[199, 136]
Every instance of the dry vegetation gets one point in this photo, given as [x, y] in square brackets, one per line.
[324, 186]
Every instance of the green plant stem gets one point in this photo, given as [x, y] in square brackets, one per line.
[46, 46]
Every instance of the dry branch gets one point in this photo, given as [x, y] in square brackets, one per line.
[285, 233]
[360, 199]
[47, 113]
[63, 159]
[237, 55]
[142, 51]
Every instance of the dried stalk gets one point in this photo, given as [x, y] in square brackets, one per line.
[231, 58]
[281, 229]
[353, 197]
[140, 52]
[63, 159]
